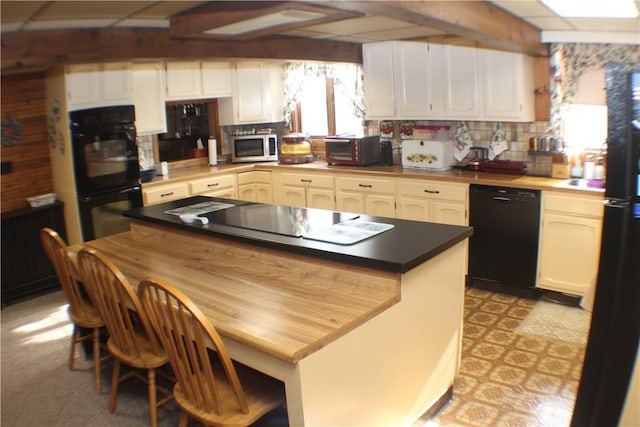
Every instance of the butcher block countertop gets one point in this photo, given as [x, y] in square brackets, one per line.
[396, 171]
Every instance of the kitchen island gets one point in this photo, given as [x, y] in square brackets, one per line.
[361, 334]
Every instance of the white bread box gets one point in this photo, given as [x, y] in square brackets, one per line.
[425, 154]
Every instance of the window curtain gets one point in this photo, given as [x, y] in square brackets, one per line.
[347, 78]
[570, 60]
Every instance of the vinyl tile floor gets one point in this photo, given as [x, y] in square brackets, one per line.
[521, 363]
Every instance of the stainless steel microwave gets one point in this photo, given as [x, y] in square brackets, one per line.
[254, 148]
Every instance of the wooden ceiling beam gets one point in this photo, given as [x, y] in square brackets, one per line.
[478, 21]
[38, 50]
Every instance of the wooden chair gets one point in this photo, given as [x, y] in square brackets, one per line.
[218, 393]
[81, 312]
[131, 339]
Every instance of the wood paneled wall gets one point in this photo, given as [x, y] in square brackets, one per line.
[23, 98]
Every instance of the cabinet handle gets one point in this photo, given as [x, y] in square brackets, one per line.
[215, 184]
[167, 194]
[432, 191]
[365, 185]
[308, 181]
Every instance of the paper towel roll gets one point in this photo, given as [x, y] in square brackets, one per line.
[213, 152]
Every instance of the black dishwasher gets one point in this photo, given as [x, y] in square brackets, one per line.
[503, 250]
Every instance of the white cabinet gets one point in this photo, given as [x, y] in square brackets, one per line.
[365, 195]
[506, 86]
[569, 242]
[215, 186]
[198, 79]
[98, 85]
[432, 201]
[148, 98]
[378, 69]
[257, 94]
[255, 186]
[413, 78]
[304, 190]
[457, 81]
[152, 195]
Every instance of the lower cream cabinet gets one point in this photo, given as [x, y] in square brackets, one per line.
[215, 186]
[164, 193]
[365, 195]
[255, 186]
[304, 190]
[433, 201]
[570, 237]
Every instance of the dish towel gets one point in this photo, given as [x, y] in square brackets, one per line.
[498, 142]
[462, 141]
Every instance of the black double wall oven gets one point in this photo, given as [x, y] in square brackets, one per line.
[107, 173]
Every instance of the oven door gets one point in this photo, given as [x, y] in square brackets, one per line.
[101, 214]
[105, 158]
[341, 152]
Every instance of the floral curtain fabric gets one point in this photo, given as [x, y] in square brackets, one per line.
[346, 77]
[570, 60]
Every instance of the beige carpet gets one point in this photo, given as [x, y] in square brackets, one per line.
[556, 322]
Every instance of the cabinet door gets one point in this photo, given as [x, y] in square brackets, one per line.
[148, 98]
[252, 92]
[416, 209]
[505, 85]
[212, 184]
[459, 78]
[412, 84]
[264, 193]
[347, 201]
[291, 196]
[448, 213]
[569, 253]
[321, 198]
[184, 80]
[247, 192]
[216, 79]
[378, 64]
[225, 193]
[116, 83]
[380, 205]
[83, 87]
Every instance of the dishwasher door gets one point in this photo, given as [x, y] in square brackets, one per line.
[504, 245]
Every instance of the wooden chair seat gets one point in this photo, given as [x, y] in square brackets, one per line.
[131, 338]
[216, 392]
[81, 312]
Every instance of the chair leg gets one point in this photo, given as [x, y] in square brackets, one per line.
[74, 339]
[115, 381]
[153, 408]
[96, 358]
[184, 420]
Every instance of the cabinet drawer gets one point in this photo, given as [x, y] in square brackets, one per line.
[433, 190]
[164, 193]
[211, 183]
[316, 181]
[254, 177]
[365, 184]
[571, 204]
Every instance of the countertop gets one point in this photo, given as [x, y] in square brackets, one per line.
[400, 249]
[396, 171]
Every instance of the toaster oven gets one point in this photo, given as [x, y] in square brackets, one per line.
[352, 150]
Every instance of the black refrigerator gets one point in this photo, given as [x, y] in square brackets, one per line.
[615, 324]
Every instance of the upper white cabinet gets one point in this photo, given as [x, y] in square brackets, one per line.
[198, 79]
[378, 68]
[257, 94]
[98, 85]
[457, 81]
[506, 85]
[148, 98]
[411, 80]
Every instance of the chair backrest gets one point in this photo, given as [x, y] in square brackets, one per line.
[117, 303]
[56, 248]
[185, 332]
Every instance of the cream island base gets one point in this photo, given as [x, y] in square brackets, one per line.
[354, 346]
